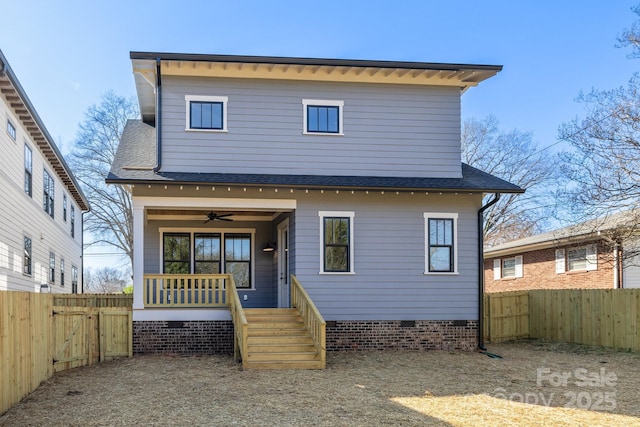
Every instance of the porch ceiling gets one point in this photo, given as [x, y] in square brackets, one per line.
[201, 214]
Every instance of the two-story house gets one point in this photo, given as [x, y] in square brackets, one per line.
[330, 186]
[41, 218]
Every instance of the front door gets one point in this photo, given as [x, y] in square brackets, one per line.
[283, 264]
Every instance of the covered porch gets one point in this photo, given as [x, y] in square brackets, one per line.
[211, 259]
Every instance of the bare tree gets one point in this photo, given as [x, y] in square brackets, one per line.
[512, 156]
[601, 168]
[104, 280]
[110, 220]
[630, 37]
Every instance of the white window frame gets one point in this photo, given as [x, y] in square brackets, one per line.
[498, 268]
[340, 214]
[202, 98]
[222, 232]
[11, 130]
[323, 103]
[440, 215]
[562, 258]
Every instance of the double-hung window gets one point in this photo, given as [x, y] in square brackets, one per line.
[28, 170]
[177, 253]
[48, 194]
[206, 113]
[441, 250]
[213, 253]
[73, 220]
[11, 130]
[582, 258]
[61, 271]
[64, 207]
[74, 279]
[27, 269]
[207, 253]
[336, 242]
[322, 117]
[507, 268]
[52, 267]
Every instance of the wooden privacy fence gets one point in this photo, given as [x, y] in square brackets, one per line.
[606, 317]
[39, 337]
[506, 316]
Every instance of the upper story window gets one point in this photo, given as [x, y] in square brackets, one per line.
[336, 240]
[64, 207]
[441, 250]
[577, 259]
[206, 113]
[48, 194]
[507, 268]
[28, 170]
[73, 221]
[11, 130]
[322, 117]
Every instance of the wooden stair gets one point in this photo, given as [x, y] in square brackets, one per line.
[278, 339]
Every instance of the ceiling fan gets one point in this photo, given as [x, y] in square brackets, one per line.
[212, 216]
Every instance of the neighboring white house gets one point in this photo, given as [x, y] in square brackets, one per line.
[344, 173]
[42, 203]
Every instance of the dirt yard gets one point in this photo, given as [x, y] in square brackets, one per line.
[535, 383]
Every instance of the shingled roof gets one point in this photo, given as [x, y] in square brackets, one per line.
[136, 157]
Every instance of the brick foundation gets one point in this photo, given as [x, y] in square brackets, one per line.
[184, 337]
[402, 335]
[216, 337]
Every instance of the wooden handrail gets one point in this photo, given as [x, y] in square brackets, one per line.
[312, 318]
[240, 325]
[185, 290]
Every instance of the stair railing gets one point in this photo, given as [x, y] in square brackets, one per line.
[311, 316]
[240, 326]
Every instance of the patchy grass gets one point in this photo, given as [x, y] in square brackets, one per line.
[529, 386]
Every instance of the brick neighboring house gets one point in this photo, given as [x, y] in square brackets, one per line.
[590, 255]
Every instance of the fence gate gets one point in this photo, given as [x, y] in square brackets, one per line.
[71, 337]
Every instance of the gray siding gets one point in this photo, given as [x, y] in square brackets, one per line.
[389, 281]
[264, 293]
[389, 130]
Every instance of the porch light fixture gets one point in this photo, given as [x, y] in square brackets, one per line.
[269, 247]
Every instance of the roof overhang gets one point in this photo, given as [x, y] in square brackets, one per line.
[17, 99]
[144, 64]
[548, 244]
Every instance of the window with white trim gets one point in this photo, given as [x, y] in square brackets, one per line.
[507, 268]
[206, 113]
[11, 130]
[582, 258]
[441, 250]
[52, 267]
[74, 279]
[336, 242]
[322, 117]
[28, 170]
[48, 196]
[27, 263]
[64, 207]
[61, 271]
[216, 252]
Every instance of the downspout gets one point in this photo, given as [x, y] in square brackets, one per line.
[81, 290]
[158, 123]
[493, 201]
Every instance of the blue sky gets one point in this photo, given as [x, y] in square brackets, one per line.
[68, 53]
